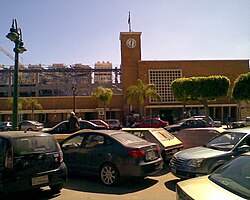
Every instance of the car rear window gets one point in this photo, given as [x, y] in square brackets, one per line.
[26, 145]
[127, 138]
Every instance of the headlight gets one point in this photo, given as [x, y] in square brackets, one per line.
[195, 162]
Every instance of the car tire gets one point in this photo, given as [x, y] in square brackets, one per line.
[109, 175]
[56, 188]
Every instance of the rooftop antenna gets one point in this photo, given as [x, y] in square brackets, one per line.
[129, 22]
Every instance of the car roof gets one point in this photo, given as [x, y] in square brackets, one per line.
[17, 134]
[104, 131]
[141, 129]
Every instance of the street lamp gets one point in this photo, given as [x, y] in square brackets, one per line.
[15, 35]
[74, 97]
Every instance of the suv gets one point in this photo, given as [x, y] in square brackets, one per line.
[211, 121]
[30, 160]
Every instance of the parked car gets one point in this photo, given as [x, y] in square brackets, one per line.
[111, 155]
[114, 124]
[151, 123]
[211, 121]
[30, 160]
[193, 137]
[186, 123]
[5, 126]
[198, 161]
[168, 143]
[241, 124]
[232, 181]
[28, 125]
[61, 131]
[100, 122]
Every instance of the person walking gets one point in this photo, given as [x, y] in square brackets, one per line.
[228, 121]
[74, 124]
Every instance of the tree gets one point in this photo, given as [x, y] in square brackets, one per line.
[103, 95]
[180, 88]
[27, 103]
[241, 89]
[203, 89]
[141, 92]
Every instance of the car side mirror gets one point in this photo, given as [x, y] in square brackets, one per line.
[244, 148]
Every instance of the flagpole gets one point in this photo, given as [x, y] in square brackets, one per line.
[129, 22]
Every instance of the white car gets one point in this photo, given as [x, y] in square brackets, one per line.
[28, 125]
[242, 123]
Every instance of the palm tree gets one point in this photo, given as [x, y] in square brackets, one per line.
[27, 103]
[103, 95]
[141, 92]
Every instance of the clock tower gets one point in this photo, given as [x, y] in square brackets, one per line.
[130, 56]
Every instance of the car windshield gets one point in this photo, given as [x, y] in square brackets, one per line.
[127, 138]
[29, 145]
[182, 122]
[225, 142]
[234, 176]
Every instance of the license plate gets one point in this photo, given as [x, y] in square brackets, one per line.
[40, 180]
[150, 155]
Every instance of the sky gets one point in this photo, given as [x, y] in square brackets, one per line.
[87, 31]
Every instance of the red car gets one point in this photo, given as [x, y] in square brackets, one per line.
[151, 123]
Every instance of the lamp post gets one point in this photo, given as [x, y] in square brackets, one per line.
[15, 35]
[74, 97]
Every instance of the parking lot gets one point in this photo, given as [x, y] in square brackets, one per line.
[159, 186]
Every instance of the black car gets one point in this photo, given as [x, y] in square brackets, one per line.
[30, 160]
[111, 155]
[63, 127]
[186, 123]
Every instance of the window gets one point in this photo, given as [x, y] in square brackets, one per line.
[162, 79]
[93, 140]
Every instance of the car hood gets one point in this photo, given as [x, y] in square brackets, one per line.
[199, 152]
[205, 189]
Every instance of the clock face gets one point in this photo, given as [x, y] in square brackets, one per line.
[131, 43]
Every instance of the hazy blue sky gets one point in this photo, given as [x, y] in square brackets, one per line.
[87, 31]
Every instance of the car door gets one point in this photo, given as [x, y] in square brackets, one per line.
[62, 128]
[94, 152]
[71, 150]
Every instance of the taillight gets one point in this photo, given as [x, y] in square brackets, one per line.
[137, 153]
[59, 158]
[9, 159]
[159, 149]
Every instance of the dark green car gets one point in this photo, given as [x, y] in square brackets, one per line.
[30, 160]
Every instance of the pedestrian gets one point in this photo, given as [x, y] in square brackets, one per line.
[74, 123]
[228, 121]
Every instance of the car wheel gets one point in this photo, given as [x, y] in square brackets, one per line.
[29, 129]
[242, 126]
[56, 188]
[109, 174]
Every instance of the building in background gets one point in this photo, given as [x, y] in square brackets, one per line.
[104, 75]
[52, 86]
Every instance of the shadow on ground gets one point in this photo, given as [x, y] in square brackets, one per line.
[37, 194]
[94, 185]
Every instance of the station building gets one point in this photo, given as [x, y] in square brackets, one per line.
[160, 73]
